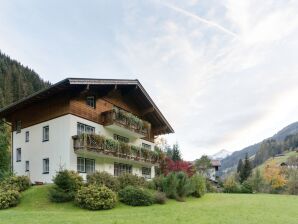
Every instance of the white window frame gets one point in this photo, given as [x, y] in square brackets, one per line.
[18, 126]
[89, 165]
[46, 133]
[83, 128]
[81, 166]
[45, 165]
[146, 172]
[120, 168]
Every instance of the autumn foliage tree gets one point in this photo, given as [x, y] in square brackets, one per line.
[274, 175]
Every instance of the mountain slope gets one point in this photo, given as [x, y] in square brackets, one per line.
[221, 154]
[17, 81]
[231, 161]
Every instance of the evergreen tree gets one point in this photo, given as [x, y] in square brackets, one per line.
[240, 165]
[4, 150]
[176, 155]
[203, 164]
[245, 172]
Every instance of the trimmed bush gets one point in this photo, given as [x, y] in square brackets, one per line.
[127, 179]
[135, 196]
[160, 198]
[157, 183]
[58, 195]
[103, 178]
[198, 183]
[95, 198]
[68, 180]
[9, 198]
[169, 185]
[18, 183]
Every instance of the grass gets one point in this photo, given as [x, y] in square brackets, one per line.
[211, 209]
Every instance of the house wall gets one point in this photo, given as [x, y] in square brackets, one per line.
[59, 149]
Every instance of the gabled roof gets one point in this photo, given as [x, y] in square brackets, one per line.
[71, 82]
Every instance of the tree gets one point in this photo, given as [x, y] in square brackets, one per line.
[256, 181]
[4, 150]
[203, 164]
[239, 166]
[292, 184]
[176, 155]
[274, 176]
[245, 172]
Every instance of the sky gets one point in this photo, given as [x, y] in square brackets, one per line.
[224, 73]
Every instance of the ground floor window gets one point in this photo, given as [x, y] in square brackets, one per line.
[120, 168]
[19, 155]
[146, 172]
[46, 166]
[27, 166]
[85, 165]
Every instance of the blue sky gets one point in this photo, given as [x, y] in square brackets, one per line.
[224, 73]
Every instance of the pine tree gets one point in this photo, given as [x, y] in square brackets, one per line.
[240, 165]
[246, 170]
[176, 155]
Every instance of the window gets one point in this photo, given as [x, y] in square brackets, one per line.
[45, 166]
[120, 168]
[146, 172]
[27, 166]
[19, 154]
[90, 165]
[85, 165]
[27, 136]
[146, 146]
[81, 165]
[121, 138]
[45, 133]
[90, 101]
[83, 128]
[18, 126]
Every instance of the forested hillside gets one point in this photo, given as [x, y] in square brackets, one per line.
[285, 139]
[17, 81]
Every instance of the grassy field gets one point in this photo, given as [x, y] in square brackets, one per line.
[212, 208]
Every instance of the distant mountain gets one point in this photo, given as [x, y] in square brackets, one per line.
[230, 162]
[17, 81]
[221, 154]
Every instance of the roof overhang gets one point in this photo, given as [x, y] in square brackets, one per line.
[71, 82]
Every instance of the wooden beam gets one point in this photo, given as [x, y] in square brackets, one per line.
[147, 111]
[160, 130]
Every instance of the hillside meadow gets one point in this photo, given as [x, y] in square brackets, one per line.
[211, 209]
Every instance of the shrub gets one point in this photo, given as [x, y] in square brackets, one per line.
[198, 183]
[103, 178]
[157, 183]
[231, 186]
[9, 198]
[246, 187]
[210, 187]
[127, 179]
[135, 196]
[183, 186]
[58, 195]
[292, 184]
[18, 183]
[169, 185]
[69, 181]
[66, 184]
[95, 198]
[160, 198]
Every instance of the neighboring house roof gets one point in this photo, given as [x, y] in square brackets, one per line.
[215, 163]
[142, 98]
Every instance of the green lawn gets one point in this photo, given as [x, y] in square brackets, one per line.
[212, 208]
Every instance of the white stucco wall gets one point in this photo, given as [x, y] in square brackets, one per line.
[59, 149]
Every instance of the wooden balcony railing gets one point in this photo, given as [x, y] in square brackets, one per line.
[112, 148]
[127, 121]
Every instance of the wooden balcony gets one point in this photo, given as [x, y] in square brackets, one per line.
[124, 122]
[97, 145]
